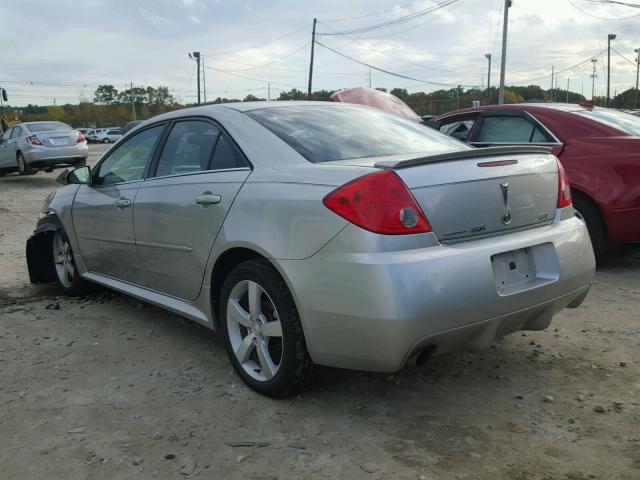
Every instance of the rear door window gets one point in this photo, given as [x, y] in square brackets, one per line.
[17, 132]
[189, 148]
[510, 130]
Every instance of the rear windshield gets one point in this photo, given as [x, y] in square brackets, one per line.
[340, 132]
[48, 127]
[619, 120]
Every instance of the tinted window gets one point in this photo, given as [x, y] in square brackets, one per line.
[509, 130]
[113, 132]
[227, 155]
[188, 148]
[339, 132]
[126, 163]
[48, 127]
[459, 129]
[17, 131]
[619, 120]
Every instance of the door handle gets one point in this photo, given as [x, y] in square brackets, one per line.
[208, 198]
[123, 203]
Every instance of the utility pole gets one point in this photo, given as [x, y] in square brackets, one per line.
[204, 83]
[133, 102]
[567, 90]
[551, 90]
[488, 57]
[196, 56]
[313, 44]
[594, 75]
[611, 36]
[503, 60]
[637, 50]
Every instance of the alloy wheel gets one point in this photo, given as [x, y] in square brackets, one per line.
[63, 260]
[254, 330]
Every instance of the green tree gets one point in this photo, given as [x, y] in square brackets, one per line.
[106, 95]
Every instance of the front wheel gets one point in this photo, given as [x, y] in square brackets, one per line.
[24, 168]
[262, 330]
[67, 273]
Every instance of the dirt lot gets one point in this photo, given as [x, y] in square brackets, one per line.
[106, 387]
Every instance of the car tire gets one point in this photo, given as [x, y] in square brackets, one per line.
[64, 265]
[106, 140]
[24, 168]
[257, 333]
[595, 225]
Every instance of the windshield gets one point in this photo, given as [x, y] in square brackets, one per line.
[619, 120]
[326, 133]
[48, 127]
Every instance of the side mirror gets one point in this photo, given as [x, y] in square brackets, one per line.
[78, 176]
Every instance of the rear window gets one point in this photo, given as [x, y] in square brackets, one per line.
[48, 127]
[340, 132]
[619, 120]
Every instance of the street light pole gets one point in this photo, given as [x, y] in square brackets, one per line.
[503, 60]
[611, 36]
[488, 57]
[593, 79]
[637, 50]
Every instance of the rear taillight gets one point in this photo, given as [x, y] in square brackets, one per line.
[564, 189]
[33, 140]
[379, 202]
[81, 138]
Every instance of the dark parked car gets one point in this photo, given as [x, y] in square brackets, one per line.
[599, 149]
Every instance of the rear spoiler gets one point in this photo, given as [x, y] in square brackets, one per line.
[465, 155]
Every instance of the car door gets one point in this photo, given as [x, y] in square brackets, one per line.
[7, 154]
[180, 207]
[103, 211]
[511, 127]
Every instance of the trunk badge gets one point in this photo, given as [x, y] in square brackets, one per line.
[505, 192]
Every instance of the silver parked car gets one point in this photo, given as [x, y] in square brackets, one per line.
[31, 146]
[110, 135]
[314, 233]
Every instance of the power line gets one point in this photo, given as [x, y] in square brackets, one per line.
[261, 44]
[602, 18]
[255, 67]
[562, 70]
[394, 22]
[374, 13]
[392, 73]
[252, 78]
[623, 57]
[388, 55]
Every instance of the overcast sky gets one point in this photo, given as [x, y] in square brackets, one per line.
[73, 46]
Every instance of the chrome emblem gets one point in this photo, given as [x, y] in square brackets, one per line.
[505, 192]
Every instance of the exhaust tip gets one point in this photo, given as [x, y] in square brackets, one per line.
[420, 357]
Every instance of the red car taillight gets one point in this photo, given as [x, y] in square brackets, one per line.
[379, 202]
[564, 189]
[33, 140]
[81, 138]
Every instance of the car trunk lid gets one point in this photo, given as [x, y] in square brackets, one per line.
[482, 192]
[60, 138]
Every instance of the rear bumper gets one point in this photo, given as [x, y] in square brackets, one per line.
[49, 155]
[371, 311]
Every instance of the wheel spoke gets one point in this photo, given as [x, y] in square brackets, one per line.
[245, 348]
[272, 329]
[237, 313]
[68, 267]
[58, 258]
[268, 368]
[255, 294]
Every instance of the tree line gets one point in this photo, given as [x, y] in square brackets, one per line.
[111, 107]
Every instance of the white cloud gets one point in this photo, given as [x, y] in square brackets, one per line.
[194, 19]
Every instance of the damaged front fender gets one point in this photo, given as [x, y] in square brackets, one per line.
[40, 250]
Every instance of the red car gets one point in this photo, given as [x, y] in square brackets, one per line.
[599, 149]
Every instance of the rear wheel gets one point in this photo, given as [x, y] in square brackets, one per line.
[106, 140]
[66, 271]
[24, 168]
[595, 225]
[262, 330]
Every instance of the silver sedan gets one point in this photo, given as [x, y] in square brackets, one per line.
[31, 146]
[313, 233]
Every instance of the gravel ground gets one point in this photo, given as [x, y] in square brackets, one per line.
[107, 387]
